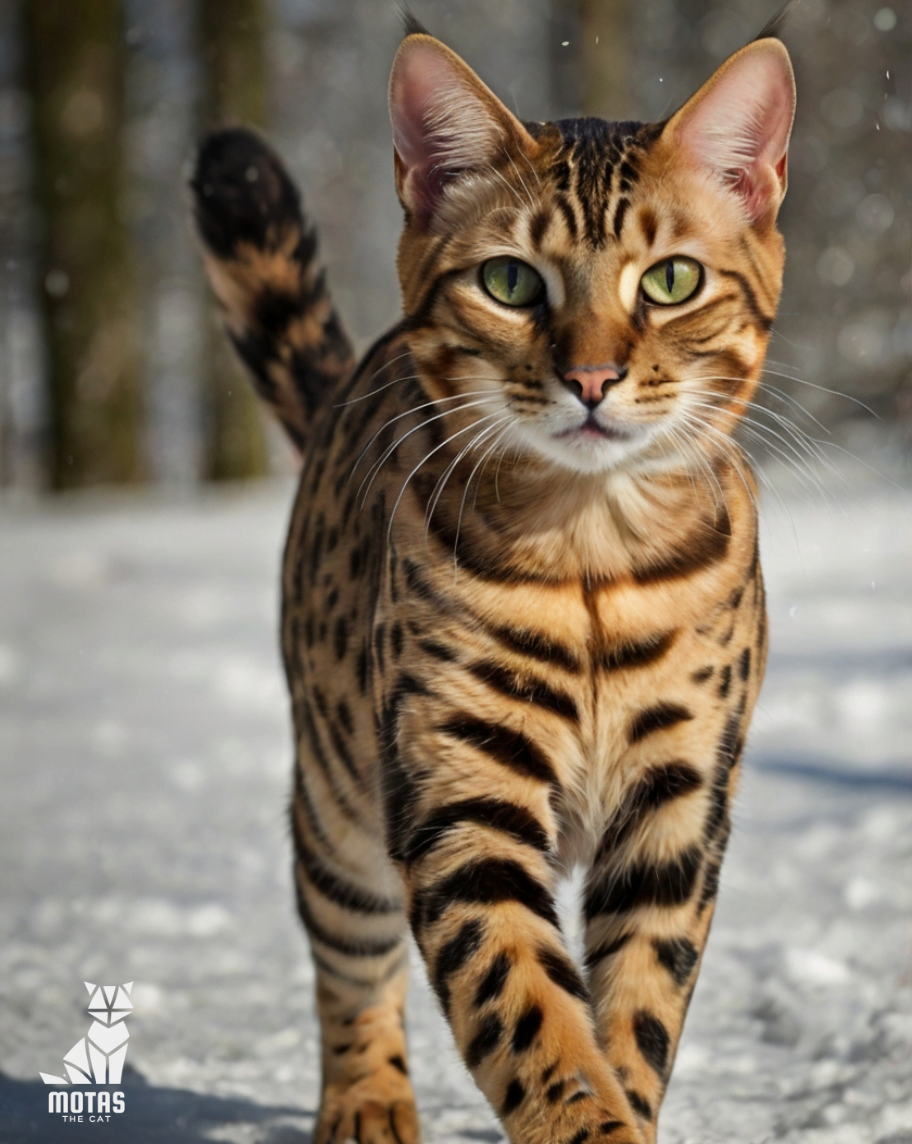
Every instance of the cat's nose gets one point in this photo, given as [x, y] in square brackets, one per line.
[590, 383]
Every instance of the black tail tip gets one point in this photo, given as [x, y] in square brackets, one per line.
[241, 191]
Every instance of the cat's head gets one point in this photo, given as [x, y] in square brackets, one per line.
[600, 293]
[109, 1003]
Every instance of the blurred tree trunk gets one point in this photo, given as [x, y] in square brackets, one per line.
[75, 57]
[590, 57]
[604, 57]
[231, 38]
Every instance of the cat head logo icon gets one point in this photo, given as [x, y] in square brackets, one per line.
[99, 1056]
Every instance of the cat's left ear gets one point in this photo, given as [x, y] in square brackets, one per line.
[738, 126]
[446, 123]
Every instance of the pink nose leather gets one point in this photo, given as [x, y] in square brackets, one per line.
[590, 383]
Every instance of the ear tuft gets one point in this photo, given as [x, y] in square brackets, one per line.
[446, 123]
[411, 25]
[775, 26]
[738, 125]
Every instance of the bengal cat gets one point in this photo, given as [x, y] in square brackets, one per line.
[523, 619]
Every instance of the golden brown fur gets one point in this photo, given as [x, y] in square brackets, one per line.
[515, 641]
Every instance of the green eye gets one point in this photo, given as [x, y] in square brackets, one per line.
[512, 282]
[672, 281]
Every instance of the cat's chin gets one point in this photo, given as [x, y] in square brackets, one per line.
[585, 451]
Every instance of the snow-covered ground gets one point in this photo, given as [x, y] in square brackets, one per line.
[144, 754]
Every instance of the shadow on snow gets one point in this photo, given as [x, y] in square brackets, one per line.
[152, 1116]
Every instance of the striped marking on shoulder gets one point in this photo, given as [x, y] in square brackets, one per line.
[524, 688]
[657, 718]
[510, 749]
[706, 546]
[399, 790]
[337, 890]
[311, 736]
[480, 557]
[437, 650]
[621, 657]
[536, 646]
[301, 798]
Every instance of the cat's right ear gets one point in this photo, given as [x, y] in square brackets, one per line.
[446, 123]
[737, 126]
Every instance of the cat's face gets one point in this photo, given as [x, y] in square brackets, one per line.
[598, 294]
[109, 1003]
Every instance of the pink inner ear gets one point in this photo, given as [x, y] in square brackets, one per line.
[419, 84]
[444, 122]
[740, 127]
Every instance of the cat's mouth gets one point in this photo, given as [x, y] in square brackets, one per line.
[591, 429]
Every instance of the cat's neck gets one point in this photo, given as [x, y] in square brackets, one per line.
[562, 524]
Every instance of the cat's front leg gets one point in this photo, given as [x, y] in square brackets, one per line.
[649, 900]
[471, 825]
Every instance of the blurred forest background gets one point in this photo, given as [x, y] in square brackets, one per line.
[112, 367]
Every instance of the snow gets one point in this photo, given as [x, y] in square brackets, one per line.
[145, 755]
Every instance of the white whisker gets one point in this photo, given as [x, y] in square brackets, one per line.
[425, 459]
[445, 476]
[811, 447]
[465, 492]
[523, 181]
[380, 388]
[822, 388]
[513, 191]
[376, 467]
[417, 409]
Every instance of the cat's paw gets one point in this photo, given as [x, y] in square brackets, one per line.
[376, 1109]
[582, 1117]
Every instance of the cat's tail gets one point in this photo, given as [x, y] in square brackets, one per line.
[260, 254]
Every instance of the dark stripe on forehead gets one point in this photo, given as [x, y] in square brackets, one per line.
[593, 185]
[538, 227]
[596, 155]
[569, 216]
[619, 215]
[629, 174]
[561, 174]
